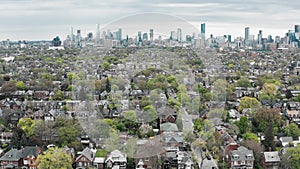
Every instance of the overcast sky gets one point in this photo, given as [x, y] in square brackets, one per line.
[45, 19]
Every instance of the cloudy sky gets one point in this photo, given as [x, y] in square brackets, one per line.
[44, 19]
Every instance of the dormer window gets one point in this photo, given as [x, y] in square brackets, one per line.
[249, 156]
[235, 156]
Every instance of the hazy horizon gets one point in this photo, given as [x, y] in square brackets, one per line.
[43, 20]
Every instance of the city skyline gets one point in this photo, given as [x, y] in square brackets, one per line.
[42, 20]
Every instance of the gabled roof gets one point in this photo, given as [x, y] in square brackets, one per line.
[242, 154]
[121, 157]
[30, 151]
[286, 139]
[88, 153]
[168, 127]
[272, 156]
[12, 155]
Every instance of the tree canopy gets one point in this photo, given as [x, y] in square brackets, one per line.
[54, 158]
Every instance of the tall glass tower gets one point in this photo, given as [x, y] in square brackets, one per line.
[247, 33]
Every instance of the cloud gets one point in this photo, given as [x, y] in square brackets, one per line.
[59, 15]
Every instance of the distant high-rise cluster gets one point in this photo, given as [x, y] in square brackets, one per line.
[115, 38]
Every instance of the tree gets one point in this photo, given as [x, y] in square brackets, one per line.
[291, 159]
[198, 125]
[112, 142]
[8, 87]
[130, 115]
[54, 158]
[18, 139]
[250, 136]
[269, 137]
[292, 130]
[150, 114]
[248, 102]
[257, 151]
[130, 147]
[243, 83]
[221, 90]
[21, 85]
[27, 125]
[263, 116]
[108, 85]
[106, 65]
[67, 130]
[58, 95]
[243, 124]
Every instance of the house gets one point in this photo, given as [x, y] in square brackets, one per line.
[271, 160]
[11, 159]
[5, 137]
[209, 163]
[85, 159]
[241, 158]
[173, 142]
[148, 153]
[116, 159]
[25, 158]
[180, 160]
[168, 128]
[29, 155]
[167, 114]
[286, 141]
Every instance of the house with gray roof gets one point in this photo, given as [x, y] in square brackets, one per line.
[85, 159]
[11, 159]
[25, 157]
[271, 160]
[168, 127]
[116, 159]
[241, 158]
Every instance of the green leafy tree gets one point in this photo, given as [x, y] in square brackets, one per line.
[291, 159]
[263, 116]
[221, 90]
[131, 116]
[250, 136]
[243, 124]
[198, 125]
[249, 102]
[54, 159]
[292, 130]
[243, 83]
[27, 125]
[150, 114]
[112, 142]
[59, 95]
[21, 85]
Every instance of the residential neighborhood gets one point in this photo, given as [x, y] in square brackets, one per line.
[149, 107]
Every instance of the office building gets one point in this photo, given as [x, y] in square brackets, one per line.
[151, 34]
[247, 33]
[173, 35]
[56, 41]
[259, 37]
[78, 38]
[229, 38]
[145, 36]
[139, 39]
[203, 29]
[297, 28]
[179, 35]
[97, 33]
